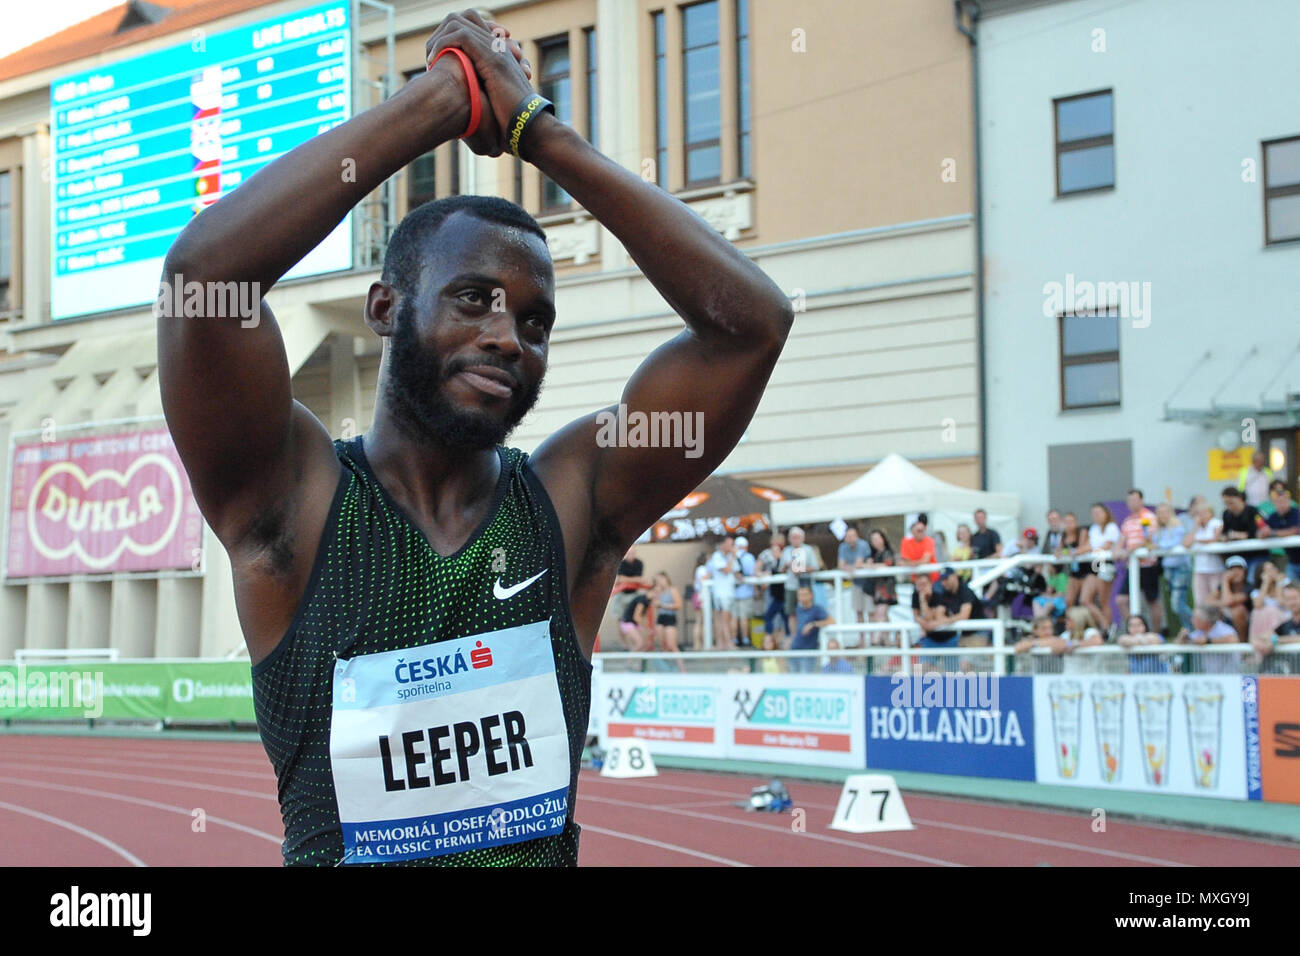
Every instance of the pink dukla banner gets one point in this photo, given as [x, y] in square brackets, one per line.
[99, 504]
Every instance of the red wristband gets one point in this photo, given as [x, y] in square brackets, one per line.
[471, 78]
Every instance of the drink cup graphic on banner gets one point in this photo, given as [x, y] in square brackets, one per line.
[1108, 713]
[1154, 700]
[1067, 698]
[1204, 701]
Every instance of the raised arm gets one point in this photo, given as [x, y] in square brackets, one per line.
[224, 375]
[711, 374]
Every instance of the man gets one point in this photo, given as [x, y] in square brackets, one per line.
[1208, 627]
[769, 562]
[1055, 529]
[918, 547]
[836, 665]
[1136, 532]
[984, 542]
[369, 574]
[854, 554]
[722, 574]
[1283, 523]
[746, 604]
[1253, 481]
[1241, 521]
[1232, 596]
[957, 602]
[1286, 636]
[810, 618]
[627, 582]
[799, 561]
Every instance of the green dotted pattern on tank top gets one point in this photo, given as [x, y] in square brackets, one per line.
[382, 587]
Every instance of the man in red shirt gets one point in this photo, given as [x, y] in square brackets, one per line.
[1135, 532]
[918, 547]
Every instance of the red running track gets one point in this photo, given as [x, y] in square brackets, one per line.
[101, 801]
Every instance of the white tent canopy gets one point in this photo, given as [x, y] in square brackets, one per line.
[896, 486]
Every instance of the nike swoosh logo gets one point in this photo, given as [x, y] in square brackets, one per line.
[502, 594]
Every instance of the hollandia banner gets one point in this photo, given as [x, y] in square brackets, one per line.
[127, 690]
[100, 504]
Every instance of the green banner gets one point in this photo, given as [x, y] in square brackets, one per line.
[127, 690]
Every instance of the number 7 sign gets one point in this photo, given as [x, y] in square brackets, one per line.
[870, 803]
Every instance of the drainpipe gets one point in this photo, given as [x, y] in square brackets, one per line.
[971, 9]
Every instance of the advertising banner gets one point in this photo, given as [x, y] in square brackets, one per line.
[1279, 738]
[1157, 733]
[797, 718]
[976, 725]
[127, 690]
[785, 718]
[678, 713]
[99, 504]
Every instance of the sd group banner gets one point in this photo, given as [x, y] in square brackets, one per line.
[127, 690]
[786, 718]
[975, 725]
[797, 718]
[99, 504]
[1156, 733]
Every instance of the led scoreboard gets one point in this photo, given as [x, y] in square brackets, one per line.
[139, 147]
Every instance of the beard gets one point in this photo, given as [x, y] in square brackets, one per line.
[417, 393]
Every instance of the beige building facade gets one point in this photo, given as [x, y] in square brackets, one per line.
[830, 141]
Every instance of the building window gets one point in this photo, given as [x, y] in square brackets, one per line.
[454, 147]
[1089, 360]
[593, 112]
[1085, 143]
[421, 174]
[519, 182]
[6, 240]
[556, 85]
[1282, 190]
[661, 101]
[742, 86]
[702, 92]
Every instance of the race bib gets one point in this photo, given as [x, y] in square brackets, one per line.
[453, 746]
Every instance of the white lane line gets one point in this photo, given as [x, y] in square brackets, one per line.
[663, 846]
[1024, 838]
[150, 755]
[141, 801]
[121, 851]
[211, 788]
[268, 774]
[857, 845]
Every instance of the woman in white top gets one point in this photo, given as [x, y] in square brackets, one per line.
[1207, 569]
[1102, 536]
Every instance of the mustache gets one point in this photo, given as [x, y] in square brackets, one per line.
[458, 365]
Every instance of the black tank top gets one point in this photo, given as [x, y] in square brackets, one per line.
[374, 719]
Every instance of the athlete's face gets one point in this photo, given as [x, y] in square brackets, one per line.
[468, 351]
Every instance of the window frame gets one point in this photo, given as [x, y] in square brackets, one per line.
[659, 60]
[556, 39]
[1088, 358]
[1081, 144]
[687, 146]
[1277, 192]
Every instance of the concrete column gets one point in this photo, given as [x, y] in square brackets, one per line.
[13, 619]
[132, 616]
[88, 613]
[47, 616]
[621, 30]
[36, 226]
[219, 633]
[177, 625]
[345, 386]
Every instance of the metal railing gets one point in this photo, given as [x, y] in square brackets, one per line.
[989, 570]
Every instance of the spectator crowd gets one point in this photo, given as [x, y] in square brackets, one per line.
[1079, 599]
